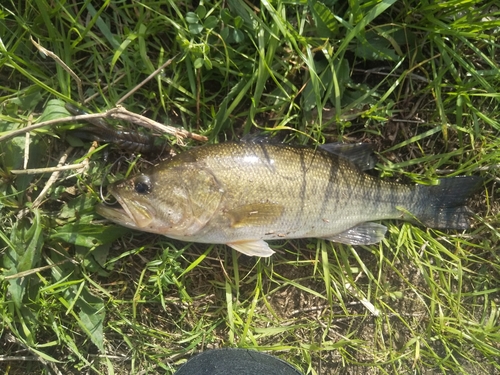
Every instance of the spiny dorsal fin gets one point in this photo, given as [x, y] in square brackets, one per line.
[360, 154]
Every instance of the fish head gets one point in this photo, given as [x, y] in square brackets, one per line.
[176, 202]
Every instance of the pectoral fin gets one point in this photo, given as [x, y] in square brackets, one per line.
[362, 234]
[256, 214]
[258, 248]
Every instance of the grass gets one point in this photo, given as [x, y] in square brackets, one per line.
[419, 80]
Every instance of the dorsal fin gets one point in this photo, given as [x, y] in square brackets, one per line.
[360, 154]
[257, 138]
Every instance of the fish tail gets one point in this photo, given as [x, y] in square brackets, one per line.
[443, 206]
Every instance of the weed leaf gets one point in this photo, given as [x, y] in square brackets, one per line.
[92, 314]
[21, 257]
[87, 235]
[54, 110]
[326, 24]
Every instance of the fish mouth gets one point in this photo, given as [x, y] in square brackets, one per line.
[130, 214]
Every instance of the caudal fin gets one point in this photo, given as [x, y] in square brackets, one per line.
[443, 206]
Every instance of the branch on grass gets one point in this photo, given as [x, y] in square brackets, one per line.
[50, 181]
[118, 112]
[148, 78]
[36, 270]
[56, 171]
[121, 113]
[61, 63]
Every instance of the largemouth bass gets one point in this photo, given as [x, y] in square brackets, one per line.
[243, 193]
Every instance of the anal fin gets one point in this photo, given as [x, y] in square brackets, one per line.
[362, 234]
[258, 248]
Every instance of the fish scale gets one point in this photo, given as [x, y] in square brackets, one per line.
[243, 193]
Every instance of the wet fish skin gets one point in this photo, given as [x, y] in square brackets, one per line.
[243, 193]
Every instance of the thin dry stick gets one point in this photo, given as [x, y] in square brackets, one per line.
[27, 146]
[35, 270]
[123, 114]
[49, 169]
[17, 358]
[148, 78]
[85, 163]
[52, 179]
[117, 112]
[61, 120]
[104, 89]
[120, 113]
[82, 166]
[58, 60]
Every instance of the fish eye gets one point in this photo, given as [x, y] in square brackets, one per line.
[142, 184]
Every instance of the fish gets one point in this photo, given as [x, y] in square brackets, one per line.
[244, 193]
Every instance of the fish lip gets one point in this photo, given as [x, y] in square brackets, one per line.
[115, 214]
[131, 214]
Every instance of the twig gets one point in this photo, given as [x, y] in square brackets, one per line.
[58, 60]
[27, 146]
[148, 78]
[123, 114]
[103, 89]
[49, 183]
[52, 178]
[55, 174]
[85, 163]
[61, 120]
[48, 169]
[396, 119]
[35, 270]
[18, 358]
[117, 113]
